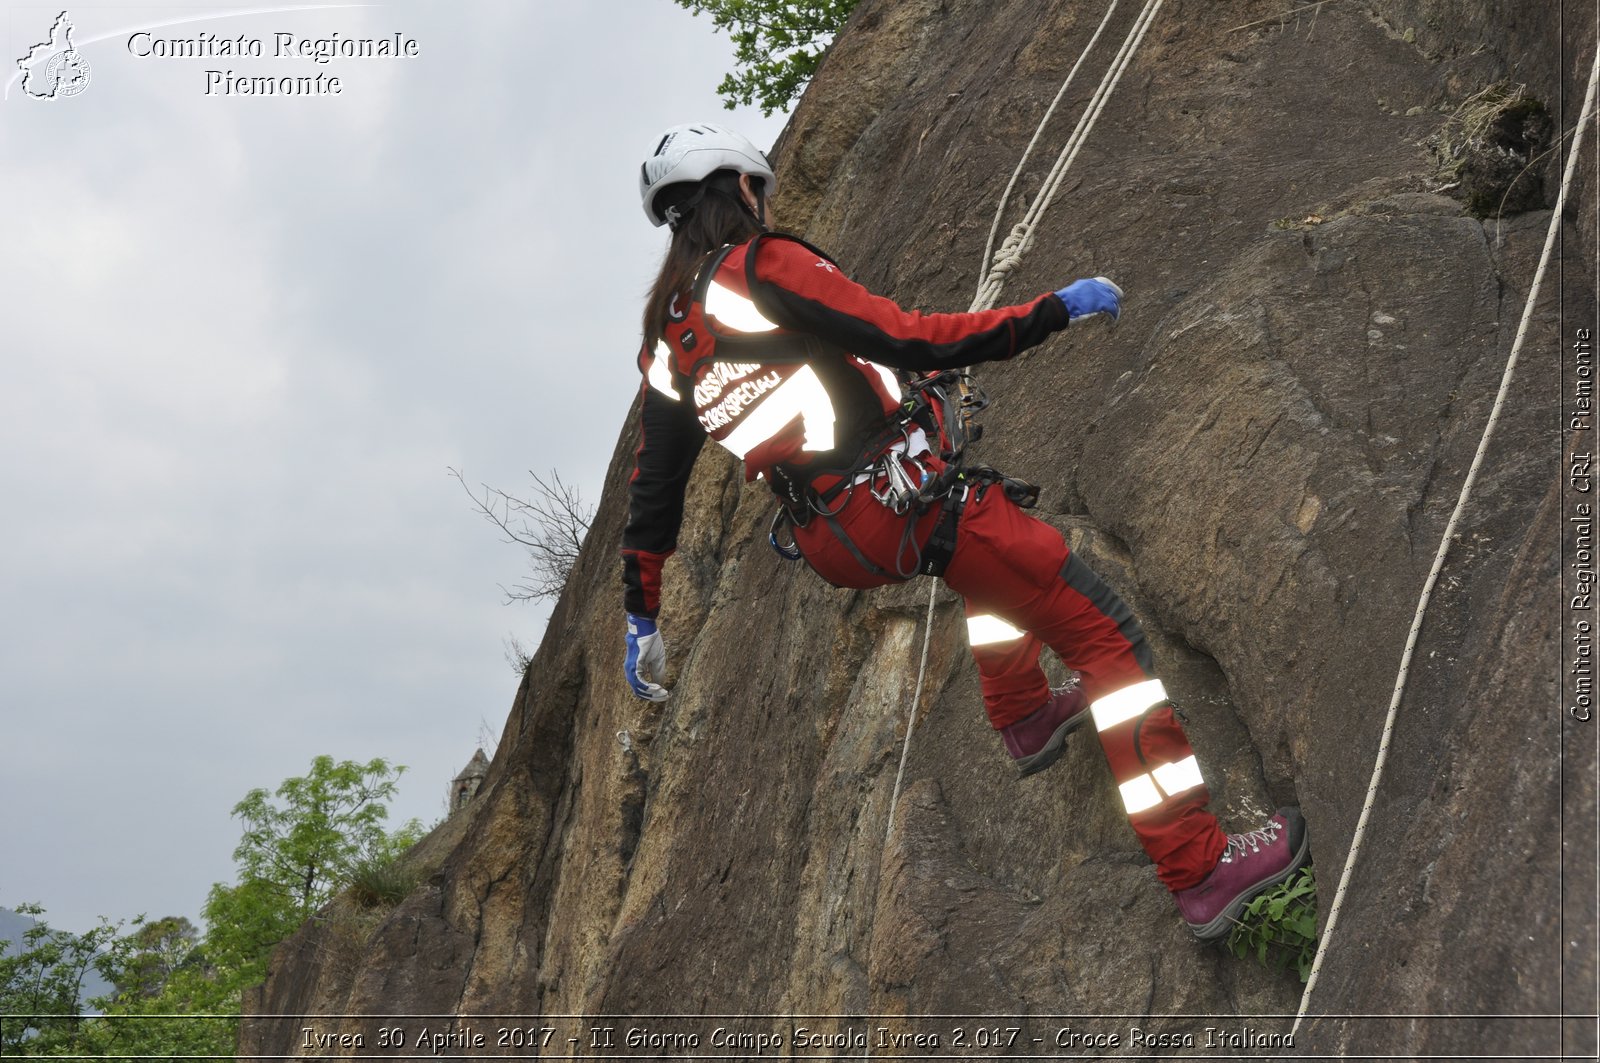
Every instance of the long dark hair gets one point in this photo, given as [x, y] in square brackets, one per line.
[716, 215]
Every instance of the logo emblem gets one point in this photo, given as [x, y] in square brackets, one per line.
[54, 69]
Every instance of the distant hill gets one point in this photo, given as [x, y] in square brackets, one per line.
[13, 926]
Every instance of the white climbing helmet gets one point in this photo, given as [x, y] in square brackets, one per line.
[690, 153]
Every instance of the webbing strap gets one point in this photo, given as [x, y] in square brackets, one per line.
[941, 545]
[849, 544]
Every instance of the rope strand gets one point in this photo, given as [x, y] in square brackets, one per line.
[1005, 197]
[1020, 239]
[1444, 547]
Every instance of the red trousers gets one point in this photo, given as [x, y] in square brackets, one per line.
[1024, 590]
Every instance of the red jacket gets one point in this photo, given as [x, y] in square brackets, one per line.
[779, 356]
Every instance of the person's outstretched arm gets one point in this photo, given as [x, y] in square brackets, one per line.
[800, 290]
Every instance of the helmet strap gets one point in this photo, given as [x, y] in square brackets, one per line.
[760, 211]
[679, 212]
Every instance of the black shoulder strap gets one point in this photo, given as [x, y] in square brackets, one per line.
[750, 256]
[785, 348]
[808, 345]
[702, 280]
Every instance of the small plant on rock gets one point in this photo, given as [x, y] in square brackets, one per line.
[1488, 150]
[381, 881]
[1281, 924]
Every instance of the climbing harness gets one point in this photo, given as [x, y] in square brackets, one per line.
[1444, 546]
[1002, 263]
[890, 466]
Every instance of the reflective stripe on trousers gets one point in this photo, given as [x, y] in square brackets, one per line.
[1026, 590]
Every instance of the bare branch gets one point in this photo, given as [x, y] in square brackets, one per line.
[550, 525]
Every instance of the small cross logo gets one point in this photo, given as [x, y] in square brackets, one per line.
[825, 265]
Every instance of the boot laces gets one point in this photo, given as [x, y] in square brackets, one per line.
[1251, 840]
[1064, 688]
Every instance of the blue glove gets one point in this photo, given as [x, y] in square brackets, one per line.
[647, 654]
[1097, 296]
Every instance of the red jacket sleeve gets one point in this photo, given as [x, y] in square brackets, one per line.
[800, 289]
[669, 441]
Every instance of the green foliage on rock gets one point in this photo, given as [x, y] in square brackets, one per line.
[777, 45]
[1280, 926]
[381, 881]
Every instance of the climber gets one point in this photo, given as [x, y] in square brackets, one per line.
[760, 341]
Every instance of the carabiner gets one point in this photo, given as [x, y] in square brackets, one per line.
[792, 552]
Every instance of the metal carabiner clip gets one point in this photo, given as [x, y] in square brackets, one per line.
[897, 492]
[792, 552]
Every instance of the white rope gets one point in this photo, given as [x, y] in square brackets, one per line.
[1011, 252]
[1020, 239]
[1005, 197]
[911, 720]
[1444, 547]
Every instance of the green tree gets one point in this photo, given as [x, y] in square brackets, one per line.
[302, 843]
[147, 960]
[777, 45]
[41, 986]
[305, 845]
[246, 921]
[170, 999]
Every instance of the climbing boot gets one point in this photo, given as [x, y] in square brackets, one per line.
[1035, 742]
[1251, 863]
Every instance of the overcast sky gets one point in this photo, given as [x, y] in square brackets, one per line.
[243, 339]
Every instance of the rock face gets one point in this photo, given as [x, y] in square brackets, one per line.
[1261, 456]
